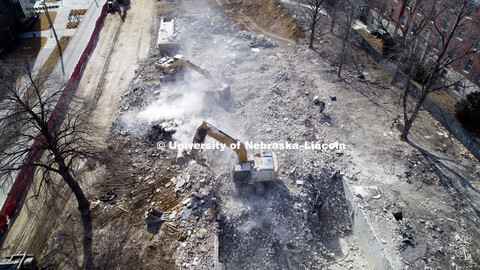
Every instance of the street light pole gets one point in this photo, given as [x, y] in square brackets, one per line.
[51, 27]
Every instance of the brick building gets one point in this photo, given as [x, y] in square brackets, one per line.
[436, 18]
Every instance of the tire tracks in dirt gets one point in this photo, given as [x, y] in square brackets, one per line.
[112, 67]
[101, 82]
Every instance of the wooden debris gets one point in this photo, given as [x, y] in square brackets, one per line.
[123, 209]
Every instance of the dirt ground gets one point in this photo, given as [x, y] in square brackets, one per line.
[432, 179]
[110, 70]
[121, 47]
[302, 220]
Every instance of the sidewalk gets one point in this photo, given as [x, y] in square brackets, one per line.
[79, 39]
[60, 25]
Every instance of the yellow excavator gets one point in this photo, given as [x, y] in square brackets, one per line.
[260, 168]
[172, 65]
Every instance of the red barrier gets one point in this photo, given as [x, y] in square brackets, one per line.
[19, 189]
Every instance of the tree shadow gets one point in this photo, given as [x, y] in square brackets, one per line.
[435, 160]
[469, 195]
[122, 8]
[362, 92]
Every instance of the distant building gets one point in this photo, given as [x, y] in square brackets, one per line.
[23, 8]
[14, 18]
[395, 14]
[7, 30]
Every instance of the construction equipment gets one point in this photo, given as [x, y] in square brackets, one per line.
[118, 6]
[260, 168]
[19, 261]
[171, 66]
[112, 5]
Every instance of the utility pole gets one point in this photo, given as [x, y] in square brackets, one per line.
[51, 27]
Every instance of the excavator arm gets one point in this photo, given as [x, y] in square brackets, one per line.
[177, 63]
[200, 70]
[262, 168]
[206, 129]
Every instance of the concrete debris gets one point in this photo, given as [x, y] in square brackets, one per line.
[201, 233]
[153, 216]
[256, 41]
[300, 222]
[367, 192]
[180, 183]
[161, 132]
[320, 103]
[225, 93]
[108, 196]
[262, 41]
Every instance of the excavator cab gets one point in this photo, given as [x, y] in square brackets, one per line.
[170, 65]
[262, 168]
[242, 173]
[112, 6]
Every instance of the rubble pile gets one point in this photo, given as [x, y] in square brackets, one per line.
[197, 29]
[293, 224]
[302, 220]
[196, 217]
[161, 132]
[192, 216]
[185, 222]
[256, 40]
[301, 217]
[173, 210]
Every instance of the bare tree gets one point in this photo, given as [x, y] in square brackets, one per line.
[413, 24]
[44, 128]
[430, 39]
[332, 5]
[350, 11]
[313, 14]
[434, 38]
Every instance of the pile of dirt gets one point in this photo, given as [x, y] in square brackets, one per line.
[268, 17]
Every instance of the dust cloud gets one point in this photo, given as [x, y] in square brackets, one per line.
[181, 99]
[192, 98]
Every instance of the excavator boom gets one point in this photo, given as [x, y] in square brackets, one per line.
[200, 70]
[177, 63]
[173, 65]
[262, 168]
[206, 129]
